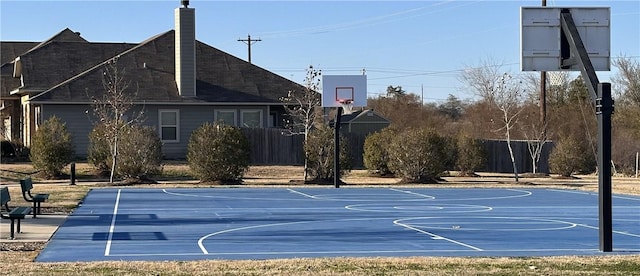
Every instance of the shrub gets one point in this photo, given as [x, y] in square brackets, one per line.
[99, 153]
[568, 156]
[218, 153]
[471, 155]
[376, 151]
[51, 148]
[450, 147]
[319, 149]
[418, 155]
[7, 149]
[140, 153]
[13, 152]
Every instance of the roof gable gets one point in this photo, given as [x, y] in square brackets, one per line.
[56, 61]
[10, 50]
[149, 66]
[367, 115]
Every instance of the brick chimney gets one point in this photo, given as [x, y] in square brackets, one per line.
[185, 49]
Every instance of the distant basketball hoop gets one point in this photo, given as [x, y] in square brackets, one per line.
[338, 90]
[343, 92]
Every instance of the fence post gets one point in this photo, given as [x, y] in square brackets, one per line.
[73, 173]
[637, 160]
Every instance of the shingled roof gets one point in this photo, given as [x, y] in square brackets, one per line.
[70, 70]
[52, 61]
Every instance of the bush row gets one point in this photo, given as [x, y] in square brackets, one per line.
[221, 153]
[216, 153]
[421, 155]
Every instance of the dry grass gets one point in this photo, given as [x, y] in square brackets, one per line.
[18, 258]
[19, 263]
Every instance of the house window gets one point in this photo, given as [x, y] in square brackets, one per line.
[169, 125]
[251, 118]
[273, 119]
[227, 117]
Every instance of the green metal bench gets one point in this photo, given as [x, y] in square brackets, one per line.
[37, 199]
[15, 214]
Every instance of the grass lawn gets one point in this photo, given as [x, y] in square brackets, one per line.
[17, 258]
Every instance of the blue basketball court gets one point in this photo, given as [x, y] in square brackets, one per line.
[266, 223]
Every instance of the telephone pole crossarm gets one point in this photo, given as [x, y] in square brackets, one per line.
[249, 41]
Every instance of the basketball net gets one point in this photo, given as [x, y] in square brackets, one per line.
[558, 78]
[347, 106]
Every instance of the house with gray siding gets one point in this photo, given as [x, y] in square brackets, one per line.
[178, 82]
[363, 122]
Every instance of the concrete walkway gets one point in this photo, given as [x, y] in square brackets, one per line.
[38, 229]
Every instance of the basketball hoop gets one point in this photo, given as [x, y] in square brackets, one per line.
[558, 78]
[347, 106]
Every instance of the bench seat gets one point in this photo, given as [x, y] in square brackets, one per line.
[15, 214]
[27, 185]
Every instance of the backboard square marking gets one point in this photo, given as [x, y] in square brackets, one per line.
[344, 93]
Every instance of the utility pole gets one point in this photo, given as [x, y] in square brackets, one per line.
[543, 95]
[249, 41]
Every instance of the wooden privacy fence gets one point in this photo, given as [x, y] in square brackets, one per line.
[270, 147]
[499, 160]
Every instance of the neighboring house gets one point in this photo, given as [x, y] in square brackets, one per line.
[179, 83]
[363, 122]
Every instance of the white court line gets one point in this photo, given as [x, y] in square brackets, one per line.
[624, 197]
[413, 193]
[229, 197]
[525, 193]
[201, 240]
[301, 193]
[436, 237]
[585, 250]
[107, 249]
[617, 232]
[590, 193]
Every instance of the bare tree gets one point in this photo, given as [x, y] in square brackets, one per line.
[302, 109]
[501, 91]
[536, 133]
[628, 80]
[112, 109]
[627, 116]
[535, 126]
[395, 91]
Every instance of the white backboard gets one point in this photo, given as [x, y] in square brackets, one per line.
[340, 87]
[540, 37]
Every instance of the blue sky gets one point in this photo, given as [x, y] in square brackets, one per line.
[419, 45]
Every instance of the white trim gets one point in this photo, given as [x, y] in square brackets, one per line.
[177, 125]
[243, 111]
[37, 116]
